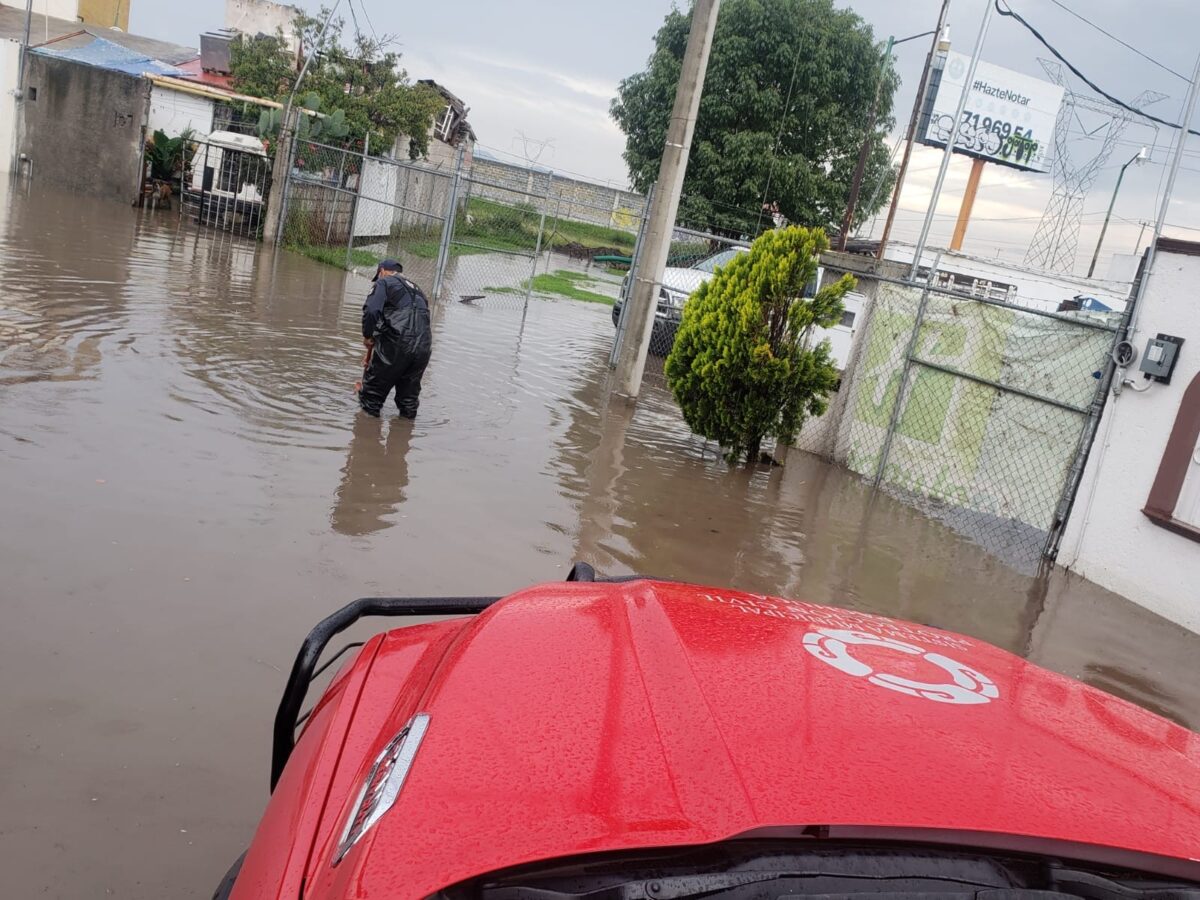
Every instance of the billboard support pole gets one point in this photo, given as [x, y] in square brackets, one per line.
[950, 142]
[968, 201]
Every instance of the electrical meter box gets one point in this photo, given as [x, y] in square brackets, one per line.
[1162, 352]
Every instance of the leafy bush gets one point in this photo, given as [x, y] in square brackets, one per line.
[168, 156]
[742, 367]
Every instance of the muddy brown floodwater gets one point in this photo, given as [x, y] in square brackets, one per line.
[187, 488]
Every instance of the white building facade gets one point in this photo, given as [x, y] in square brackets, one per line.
[1135, 527]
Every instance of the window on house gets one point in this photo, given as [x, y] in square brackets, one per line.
[1187, 509]
[444, 126]
[33, 94]
[1174, 501]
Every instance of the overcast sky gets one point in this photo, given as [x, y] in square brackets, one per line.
[547, 70]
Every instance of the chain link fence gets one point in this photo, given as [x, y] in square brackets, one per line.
[350, 209]
[691, 260]
[490, 244]
[971, 409]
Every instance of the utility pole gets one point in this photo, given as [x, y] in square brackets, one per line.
[1189, 109]
[643, 293]
[281, 169]
[922, 90]
[289, 128]
[864, 152]
[1140, 155]
[951, 140]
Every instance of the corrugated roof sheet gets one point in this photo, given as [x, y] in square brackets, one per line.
[45, 29]
[105, 54]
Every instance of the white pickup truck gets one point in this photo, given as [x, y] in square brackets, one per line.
[679, 284]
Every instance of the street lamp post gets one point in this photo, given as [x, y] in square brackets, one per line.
[1137, 157]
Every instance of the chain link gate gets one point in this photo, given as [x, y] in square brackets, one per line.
[976, 411]
[226, 186]
[471, 238]
[351, 209]
[692, 259]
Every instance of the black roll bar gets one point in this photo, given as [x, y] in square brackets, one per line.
[305, 666]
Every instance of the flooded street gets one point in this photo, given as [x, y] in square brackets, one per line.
[187, 488]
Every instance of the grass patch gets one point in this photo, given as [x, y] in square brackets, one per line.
[334, 256]
[563, 283]
[570, 285]
[497, 226]
[491, 227]
[429, 249]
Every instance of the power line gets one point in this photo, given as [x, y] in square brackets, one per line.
[1008, 12]
[354, 18]
[1109, 34]
[370, 24]
[779, 136]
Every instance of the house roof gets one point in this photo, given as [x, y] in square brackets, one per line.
[102, 53]
[193, 70]
[450, 98]
[1175, 245]
[43, 28]
[47, 29]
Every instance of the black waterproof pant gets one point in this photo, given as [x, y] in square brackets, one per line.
[393, 366]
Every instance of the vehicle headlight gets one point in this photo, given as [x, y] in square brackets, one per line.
[382, 787]
[674, 299]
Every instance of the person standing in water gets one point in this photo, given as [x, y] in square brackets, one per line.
[398, 338]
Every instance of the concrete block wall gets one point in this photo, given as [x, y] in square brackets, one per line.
[572, 199]
[84, 130]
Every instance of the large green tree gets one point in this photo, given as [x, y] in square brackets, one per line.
[751, 143]
[746, 363]
[357, 75]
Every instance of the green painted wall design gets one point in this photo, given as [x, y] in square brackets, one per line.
[958, 441]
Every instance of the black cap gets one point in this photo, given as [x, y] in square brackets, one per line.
[390, 264]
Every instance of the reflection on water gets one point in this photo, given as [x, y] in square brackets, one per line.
[375, 476]
[188, 488]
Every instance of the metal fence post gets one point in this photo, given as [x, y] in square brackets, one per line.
[894, 420]
[553, 230]
[362, 174]
[1091, 426]
[537, 248]
[443, 258]
[634, 266]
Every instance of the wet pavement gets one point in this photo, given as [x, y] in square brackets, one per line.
[187, 489]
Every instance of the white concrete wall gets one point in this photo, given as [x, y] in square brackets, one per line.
[10, 67]
[1108, 540]
[57, 9]
[176, 111]
[255, 16]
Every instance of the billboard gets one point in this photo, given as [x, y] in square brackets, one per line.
[1009, 117]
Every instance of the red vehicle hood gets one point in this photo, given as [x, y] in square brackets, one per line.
[580, 718]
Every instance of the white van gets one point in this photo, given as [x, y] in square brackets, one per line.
[841, 335]
[231, 166]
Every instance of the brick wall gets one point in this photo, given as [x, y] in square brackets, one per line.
[579, 201]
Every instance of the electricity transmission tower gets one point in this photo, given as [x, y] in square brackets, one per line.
[1056, 241]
